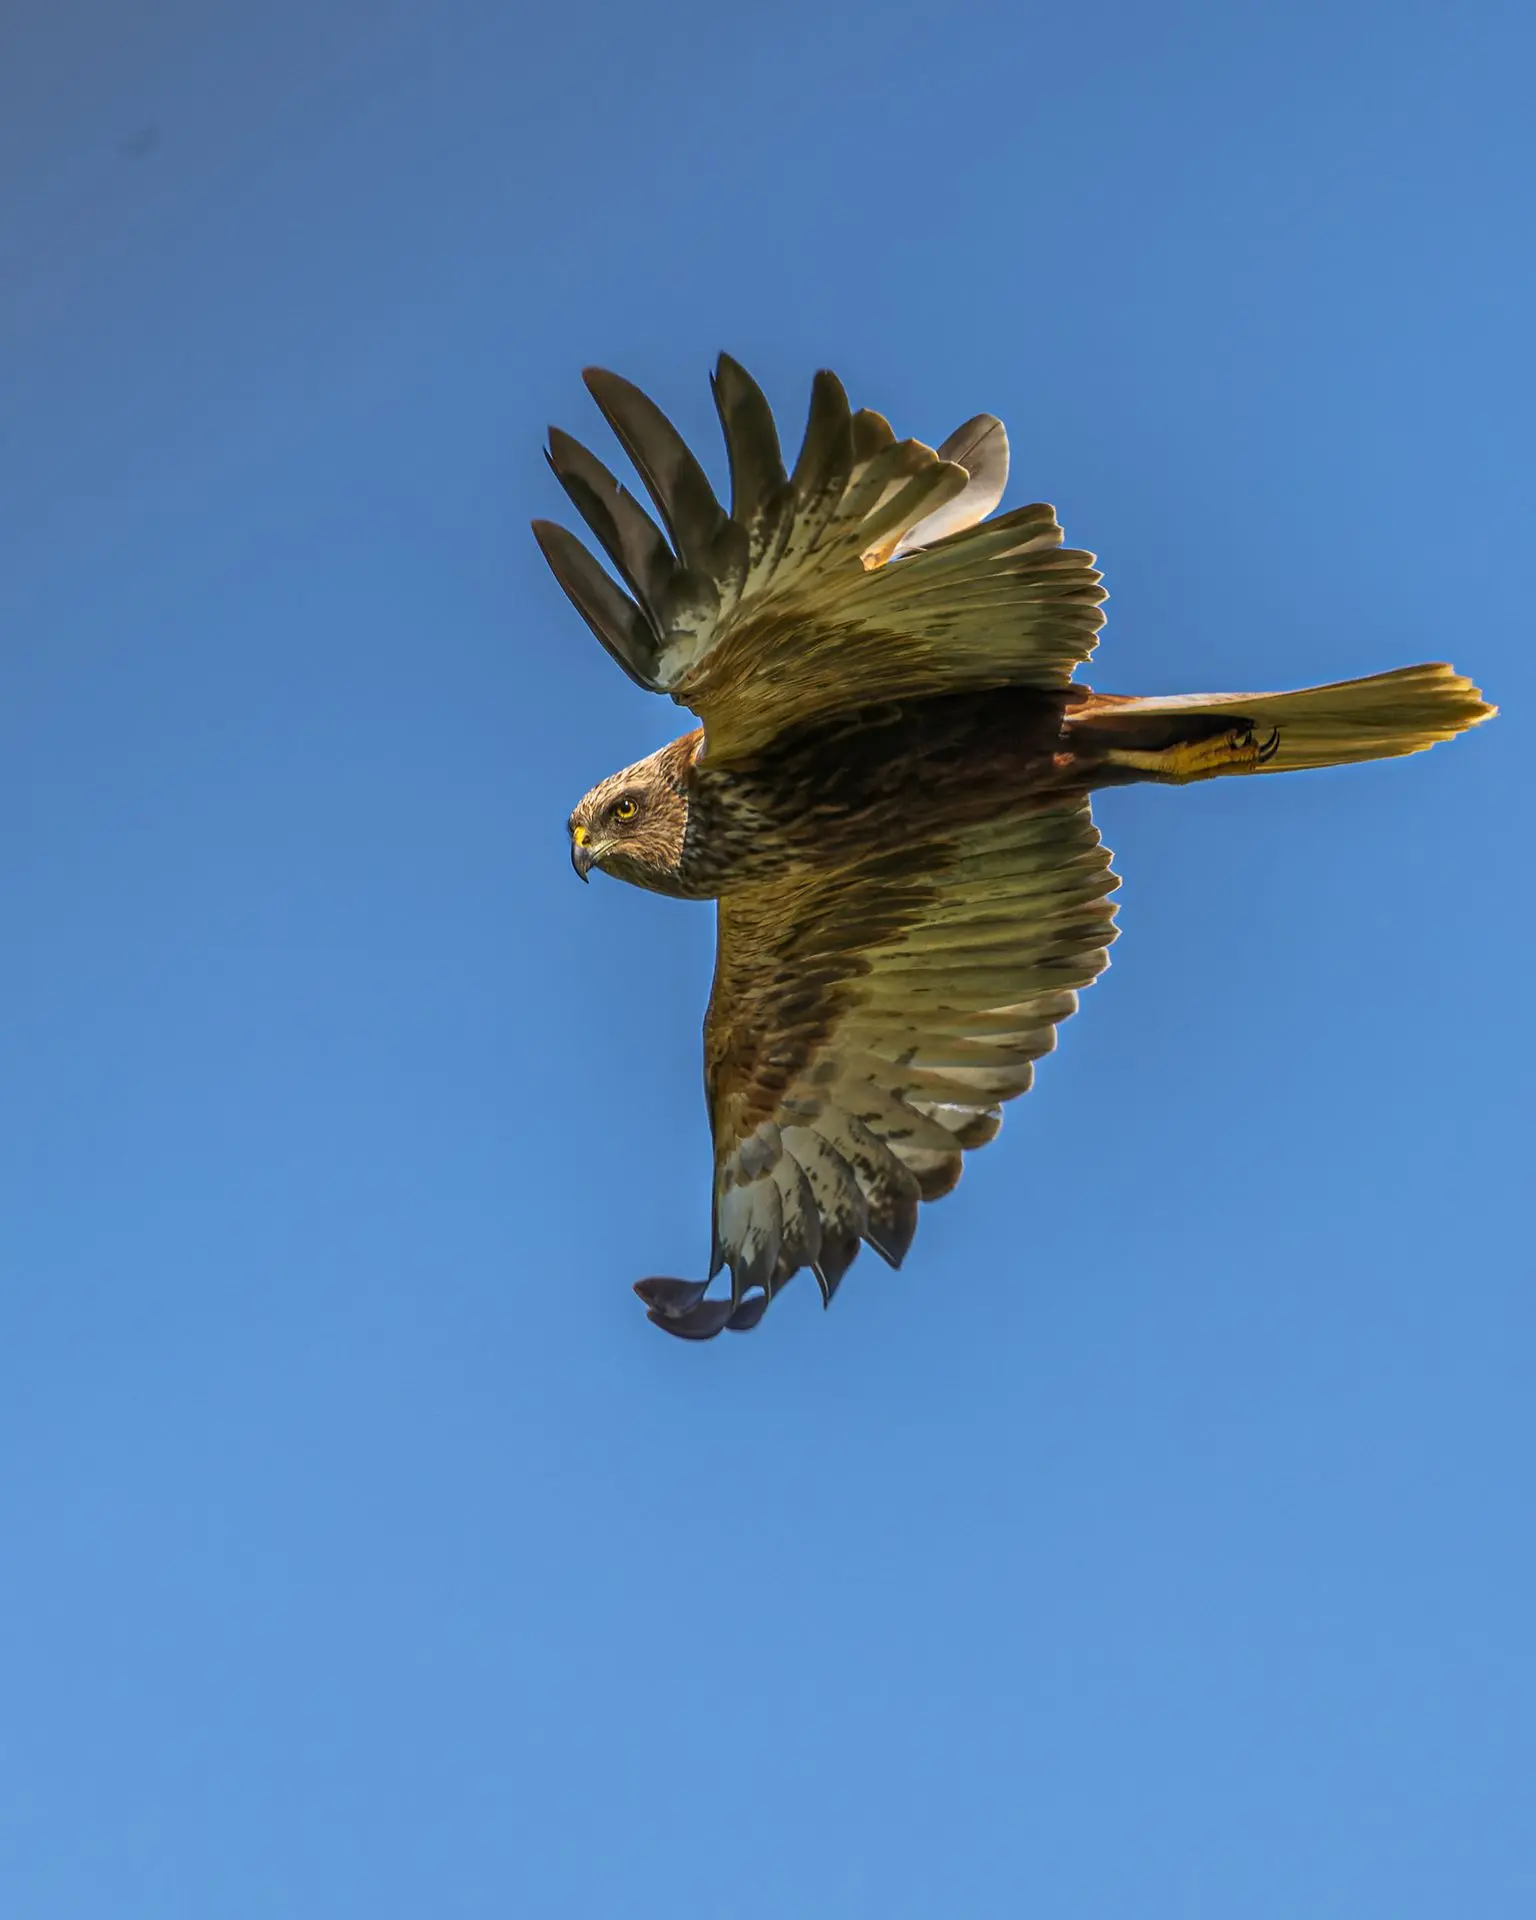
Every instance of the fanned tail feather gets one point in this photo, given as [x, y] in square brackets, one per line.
[1375, 718]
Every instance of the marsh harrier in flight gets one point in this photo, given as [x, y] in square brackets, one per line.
[888, 798]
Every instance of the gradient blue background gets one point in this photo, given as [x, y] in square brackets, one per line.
[1160, 1542]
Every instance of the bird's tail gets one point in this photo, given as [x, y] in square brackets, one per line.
[1197, 736]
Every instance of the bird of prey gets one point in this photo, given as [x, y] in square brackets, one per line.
[888, 798]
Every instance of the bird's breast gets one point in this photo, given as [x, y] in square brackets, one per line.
[867, 785]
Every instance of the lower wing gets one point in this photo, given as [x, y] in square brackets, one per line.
[864, 1030]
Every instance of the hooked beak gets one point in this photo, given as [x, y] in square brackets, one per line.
[581, 852]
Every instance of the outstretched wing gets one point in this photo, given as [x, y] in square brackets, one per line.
[864, 1030]
[870, 573]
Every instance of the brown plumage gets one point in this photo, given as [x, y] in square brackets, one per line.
[888, 798]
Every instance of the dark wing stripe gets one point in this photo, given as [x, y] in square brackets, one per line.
[876, 1106]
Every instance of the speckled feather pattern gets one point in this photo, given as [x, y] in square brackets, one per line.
[888, 798]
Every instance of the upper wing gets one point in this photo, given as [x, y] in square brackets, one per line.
[870, 573]
[865, 1028]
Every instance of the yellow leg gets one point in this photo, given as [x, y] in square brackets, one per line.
[1239, 750]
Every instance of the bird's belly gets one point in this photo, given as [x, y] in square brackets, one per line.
[747, 828]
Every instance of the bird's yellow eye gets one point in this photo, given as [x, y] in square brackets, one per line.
[625, 809]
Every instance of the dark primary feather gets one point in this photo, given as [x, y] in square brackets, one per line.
[826, 453]
[751, 441]
[610, 613]
[629, 536]
[676, 482]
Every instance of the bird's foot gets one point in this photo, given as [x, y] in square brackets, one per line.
[1240, 749]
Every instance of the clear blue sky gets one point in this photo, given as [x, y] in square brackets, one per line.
[1159, 1543]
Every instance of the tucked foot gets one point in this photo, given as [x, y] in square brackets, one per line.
[1240, 749]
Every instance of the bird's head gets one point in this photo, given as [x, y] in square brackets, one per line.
[632, 825]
